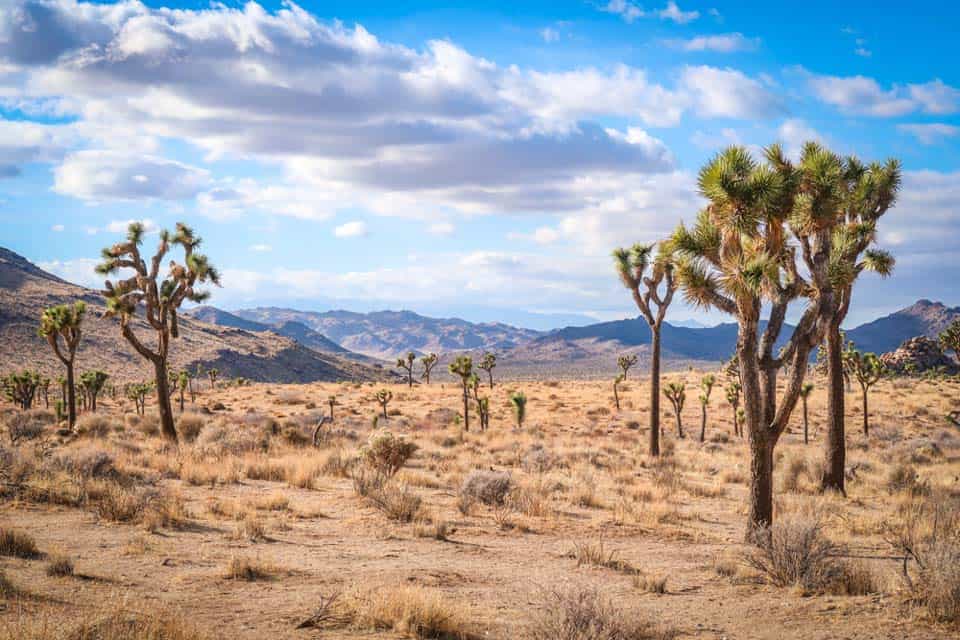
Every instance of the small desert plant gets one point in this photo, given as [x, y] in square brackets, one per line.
[616, 395]
[246, 569]
[487, 363]
[625, 362]
[17, 544]
[462, 367]
[866, 369]
[386, 453]
[407, 365]
[428, 362]
[573, 613]
[707, 385]
[676, 393]
[489, 487]
[519, 402]
[384, 397]
[733, 399]
[795, 551]
[189, 426]
[59, 566]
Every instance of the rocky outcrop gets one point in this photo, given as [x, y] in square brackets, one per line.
[917, 355]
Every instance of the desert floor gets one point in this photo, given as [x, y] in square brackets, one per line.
[244, 531]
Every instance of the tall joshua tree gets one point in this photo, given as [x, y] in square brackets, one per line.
[625, 362]
[707, 386]
[488, 362]
[676, 393]
[428, 362]
[866, 369]
[867, 193]
[656, 278]
[160, 299]
[407, 365]
[741, 256]
[462, 367]
[804, 395]
[62, 323]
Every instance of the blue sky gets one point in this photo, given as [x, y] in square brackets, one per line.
[479, 161]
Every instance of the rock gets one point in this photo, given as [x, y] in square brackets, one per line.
[924, 354]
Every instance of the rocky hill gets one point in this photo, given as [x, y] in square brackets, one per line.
[25, 290]
[923, 318]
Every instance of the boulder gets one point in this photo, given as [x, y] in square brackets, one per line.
[923, 353]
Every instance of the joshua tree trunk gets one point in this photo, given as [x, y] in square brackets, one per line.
[466, 408]
[163, 400]
[761, 450]
[71, 395]
[676, 412]
[703, 422]
[835, 447]
[616, 396]
[866, 414]
[655, 391]
[806, 431]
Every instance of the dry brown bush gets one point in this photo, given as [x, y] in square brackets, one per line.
[18, 544]
[584, 614]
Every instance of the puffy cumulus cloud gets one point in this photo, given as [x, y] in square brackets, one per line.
[728, 93]
[675, 14]
[354, 229]
[720, 43]
[114, 175]
[930, 133]
[623, 8]
[794, 132]
[81, 271]
[340, 111]
[23, 142]
[865, 96]
[121, 226]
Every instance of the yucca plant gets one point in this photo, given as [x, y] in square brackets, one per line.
[428, 362]
[733, 399]
[764, 224]
[384, 396]
[138, 393]
[639, 268]
[483, 403]
[462, 367]
[706, 384]
[407, 365]
[62, 323]
[92, 383]
[332, 402]
[487, 363]
[213, 374]
[181, 382]
[867, 369]
[20, 388]
[950, 339]
[616, 393]
[158, 296]
[625, 362]
[805, 391]
[519, 401]
[676, 393]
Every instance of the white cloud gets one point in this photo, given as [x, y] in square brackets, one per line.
[121, 226]
[80, 271]
[115, 175]
[353, 229]
[721, 43]
[549, 34]
[794, 132]
[728, 93]
[864, 96]
[57, 228]
[261, 248]
[930, 133]
[441, 229]
[674, 13]
[625, 9]
[24, 142]
[546, 235]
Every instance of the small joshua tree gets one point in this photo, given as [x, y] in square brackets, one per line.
[867, 369]
[213, 374]
[332, 401]
[21, 388]
[804, 394]
[462, 367]
[488, 362]
[45, 390]
[92, 384]
[62, 322]
[483, 404]
[138, 393]
[625, 362]
[407, 365]
[181, 382]
[733, 399]
[428, 362]
[676, 393]
[519, 402]
[616, 394]
[384, 396]
[160, 300]
[950, 339]
[707, 385]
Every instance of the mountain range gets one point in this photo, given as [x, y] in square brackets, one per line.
[288, 345]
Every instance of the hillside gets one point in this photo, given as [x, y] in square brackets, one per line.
[923, 318]
[25, 290]
[387, 334]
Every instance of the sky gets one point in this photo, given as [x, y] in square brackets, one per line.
[479, 161]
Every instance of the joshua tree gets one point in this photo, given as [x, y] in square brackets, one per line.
[332, 401]
[138, 393]
[160, 300]
[428, 362]
[804, 394]
[616, 395]
[45, 390]
[181, 382]
[62, 322]
[763, 225]
[519, 402]
[625, 362]
[676, 393]
[487, 363]
[707, 385]
[384, 396]
[21, 388]
[92, 384]
[632, 266]
[733, 399]
[212, 374]
[866, 193]
[462, 366]
[483, 404]
[950, 339]
[867, 368]
[407, 365]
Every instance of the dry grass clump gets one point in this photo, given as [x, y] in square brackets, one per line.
[251, 528]
[596, 554]
[928, 534]
[59, 566]
[413, 612]
[120, 624]
[489, 487]
[154, 508]
[85, 462]
[585, 614]
[189, 426]
[96, 425]
[17, 544]
[650, 583]
[386, 453]
[240, 568]
[27, 425]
